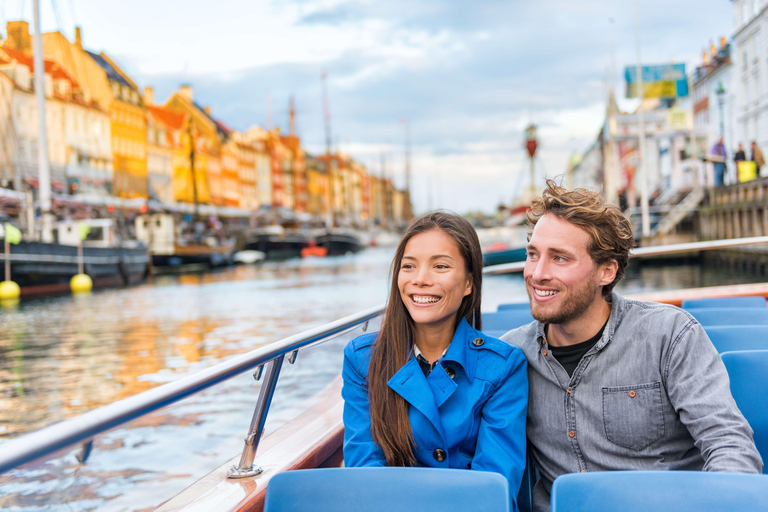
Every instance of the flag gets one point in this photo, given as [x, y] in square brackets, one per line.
[84, 229]
[12, 233]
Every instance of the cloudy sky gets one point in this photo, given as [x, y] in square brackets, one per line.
[468, 75]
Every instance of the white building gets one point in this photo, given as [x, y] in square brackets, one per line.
[750, 69]
[713, 112]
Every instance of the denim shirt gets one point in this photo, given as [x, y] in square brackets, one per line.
[652, 394]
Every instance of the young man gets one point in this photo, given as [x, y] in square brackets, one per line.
[615, 384]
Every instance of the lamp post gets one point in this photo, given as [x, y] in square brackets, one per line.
[720, 91]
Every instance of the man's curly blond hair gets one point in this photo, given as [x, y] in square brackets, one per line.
[610, 232]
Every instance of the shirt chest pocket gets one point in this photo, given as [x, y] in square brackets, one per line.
[633, 416]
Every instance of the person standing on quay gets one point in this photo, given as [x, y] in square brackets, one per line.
[757, 157]
[740, 156]
[720, 155]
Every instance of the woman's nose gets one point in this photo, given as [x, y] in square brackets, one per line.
[421, 277]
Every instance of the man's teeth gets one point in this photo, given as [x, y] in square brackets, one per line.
[542, 293]
[424, 300]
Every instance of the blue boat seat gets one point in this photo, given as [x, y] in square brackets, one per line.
[387, 489]
[659, 491]
[504, 321]
[748, 371]
[726, 302]
[729, 338]
[515, 306]
[730, 316]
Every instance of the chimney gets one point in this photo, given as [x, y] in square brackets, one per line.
[713, 50]
[207, 110]
[722, 44]
[186, 92]
[78, 38]
[18, 36]
[705, 57]
[149, 96]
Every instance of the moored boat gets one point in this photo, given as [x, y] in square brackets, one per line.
[46, 269]
[277, 243]
[339, 242]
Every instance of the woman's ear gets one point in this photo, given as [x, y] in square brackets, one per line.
[468, 286]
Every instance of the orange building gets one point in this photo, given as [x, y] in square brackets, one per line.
[167, 151]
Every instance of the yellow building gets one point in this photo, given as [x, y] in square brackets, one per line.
[167, 149]
[209, 139]
[103, 81]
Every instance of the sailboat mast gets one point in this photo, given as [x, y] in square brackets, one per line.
[330, 214]
[44, 171]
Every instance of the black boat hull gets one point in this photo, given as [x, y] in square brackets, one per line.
[338, 244]
[276, 246]
[45, 269]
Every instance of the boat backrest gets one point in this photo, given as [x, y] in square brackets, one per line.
[729, 338]
[387, 489]
[503, 321]
[730, 316]
[515, 306]
[748, 371]
[654, 491]
[726, 302]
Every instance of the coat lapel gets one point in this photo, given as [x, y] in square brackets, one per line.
[409, 382]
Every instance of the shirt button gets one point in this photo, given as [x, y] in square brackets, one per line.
[583, 470]
[569, 390]
[450, 371]
[439, 454]
[631, 394]
[572, 433]
[478, 342]
[544, 352]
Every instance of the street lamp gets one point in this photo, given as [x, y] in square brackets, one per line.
[720, 91]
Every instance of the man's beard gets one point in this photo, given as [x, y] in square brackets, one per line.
[578, 301]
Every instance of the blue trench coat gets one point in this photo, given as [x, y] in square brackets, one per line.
[468, 413]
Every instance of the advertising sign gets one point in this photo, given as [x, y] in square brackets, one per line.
[665, 81]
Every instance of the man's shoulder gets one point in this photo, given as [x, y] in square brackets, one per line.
[523, 337]
[654, 317]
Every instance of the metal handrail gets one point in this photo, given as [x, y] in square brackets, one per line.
[83, 428]
[644, 252]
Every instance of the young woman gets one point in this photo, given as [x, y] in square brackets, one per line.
[430, 389]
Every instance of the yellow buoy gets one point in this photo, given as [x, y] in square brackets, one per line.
[9, 291]
[81, 283]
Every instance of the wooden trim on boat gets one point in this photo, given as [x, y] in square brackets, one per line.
[315, 438]
[676, 297]
[311, 440]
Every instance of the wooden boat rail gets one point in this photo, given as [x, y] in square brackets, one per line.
[83, 428]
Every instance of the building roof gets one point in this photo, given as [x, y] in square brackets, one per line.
[112, 72]
[169, 118]
[52, 67]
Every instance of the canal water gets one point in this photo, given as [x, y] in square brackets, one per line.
[60, 357]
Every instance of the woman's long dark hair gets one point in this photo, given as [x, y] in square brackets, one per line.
[390, 425]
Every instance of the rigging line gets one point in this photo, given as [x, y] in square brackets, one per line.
[56, 13]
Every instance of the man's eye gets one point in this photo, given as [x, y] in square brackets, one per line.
[560, 259]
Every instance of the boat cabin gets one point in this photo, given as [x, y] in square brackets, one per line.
[101, 233]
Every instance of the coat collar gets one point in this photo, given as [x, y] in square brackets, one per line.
[409, 382]
[459, 351]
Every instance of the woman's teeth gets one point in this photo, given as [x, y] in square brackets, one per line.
[424, 300]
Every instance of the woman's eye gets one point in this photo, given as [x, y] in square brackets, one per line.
[442, 266]
[406, 266]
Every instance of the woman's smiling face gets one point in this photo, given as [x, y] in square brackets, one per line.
[433, 279]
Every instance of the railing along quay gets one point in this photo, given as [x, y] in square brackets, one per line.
[268, 360]
[735, 211]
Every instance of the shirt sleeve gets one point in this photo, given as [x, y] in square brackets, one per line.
[501, 437]
[359, 448]
[699, 390]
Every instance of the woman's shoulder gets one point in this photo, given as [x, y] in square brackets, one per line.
[361, 343]
[496, 357]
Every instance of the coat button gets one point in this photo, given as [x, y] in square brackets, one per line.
[450, 371]
[478, 342]
[439, 454]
